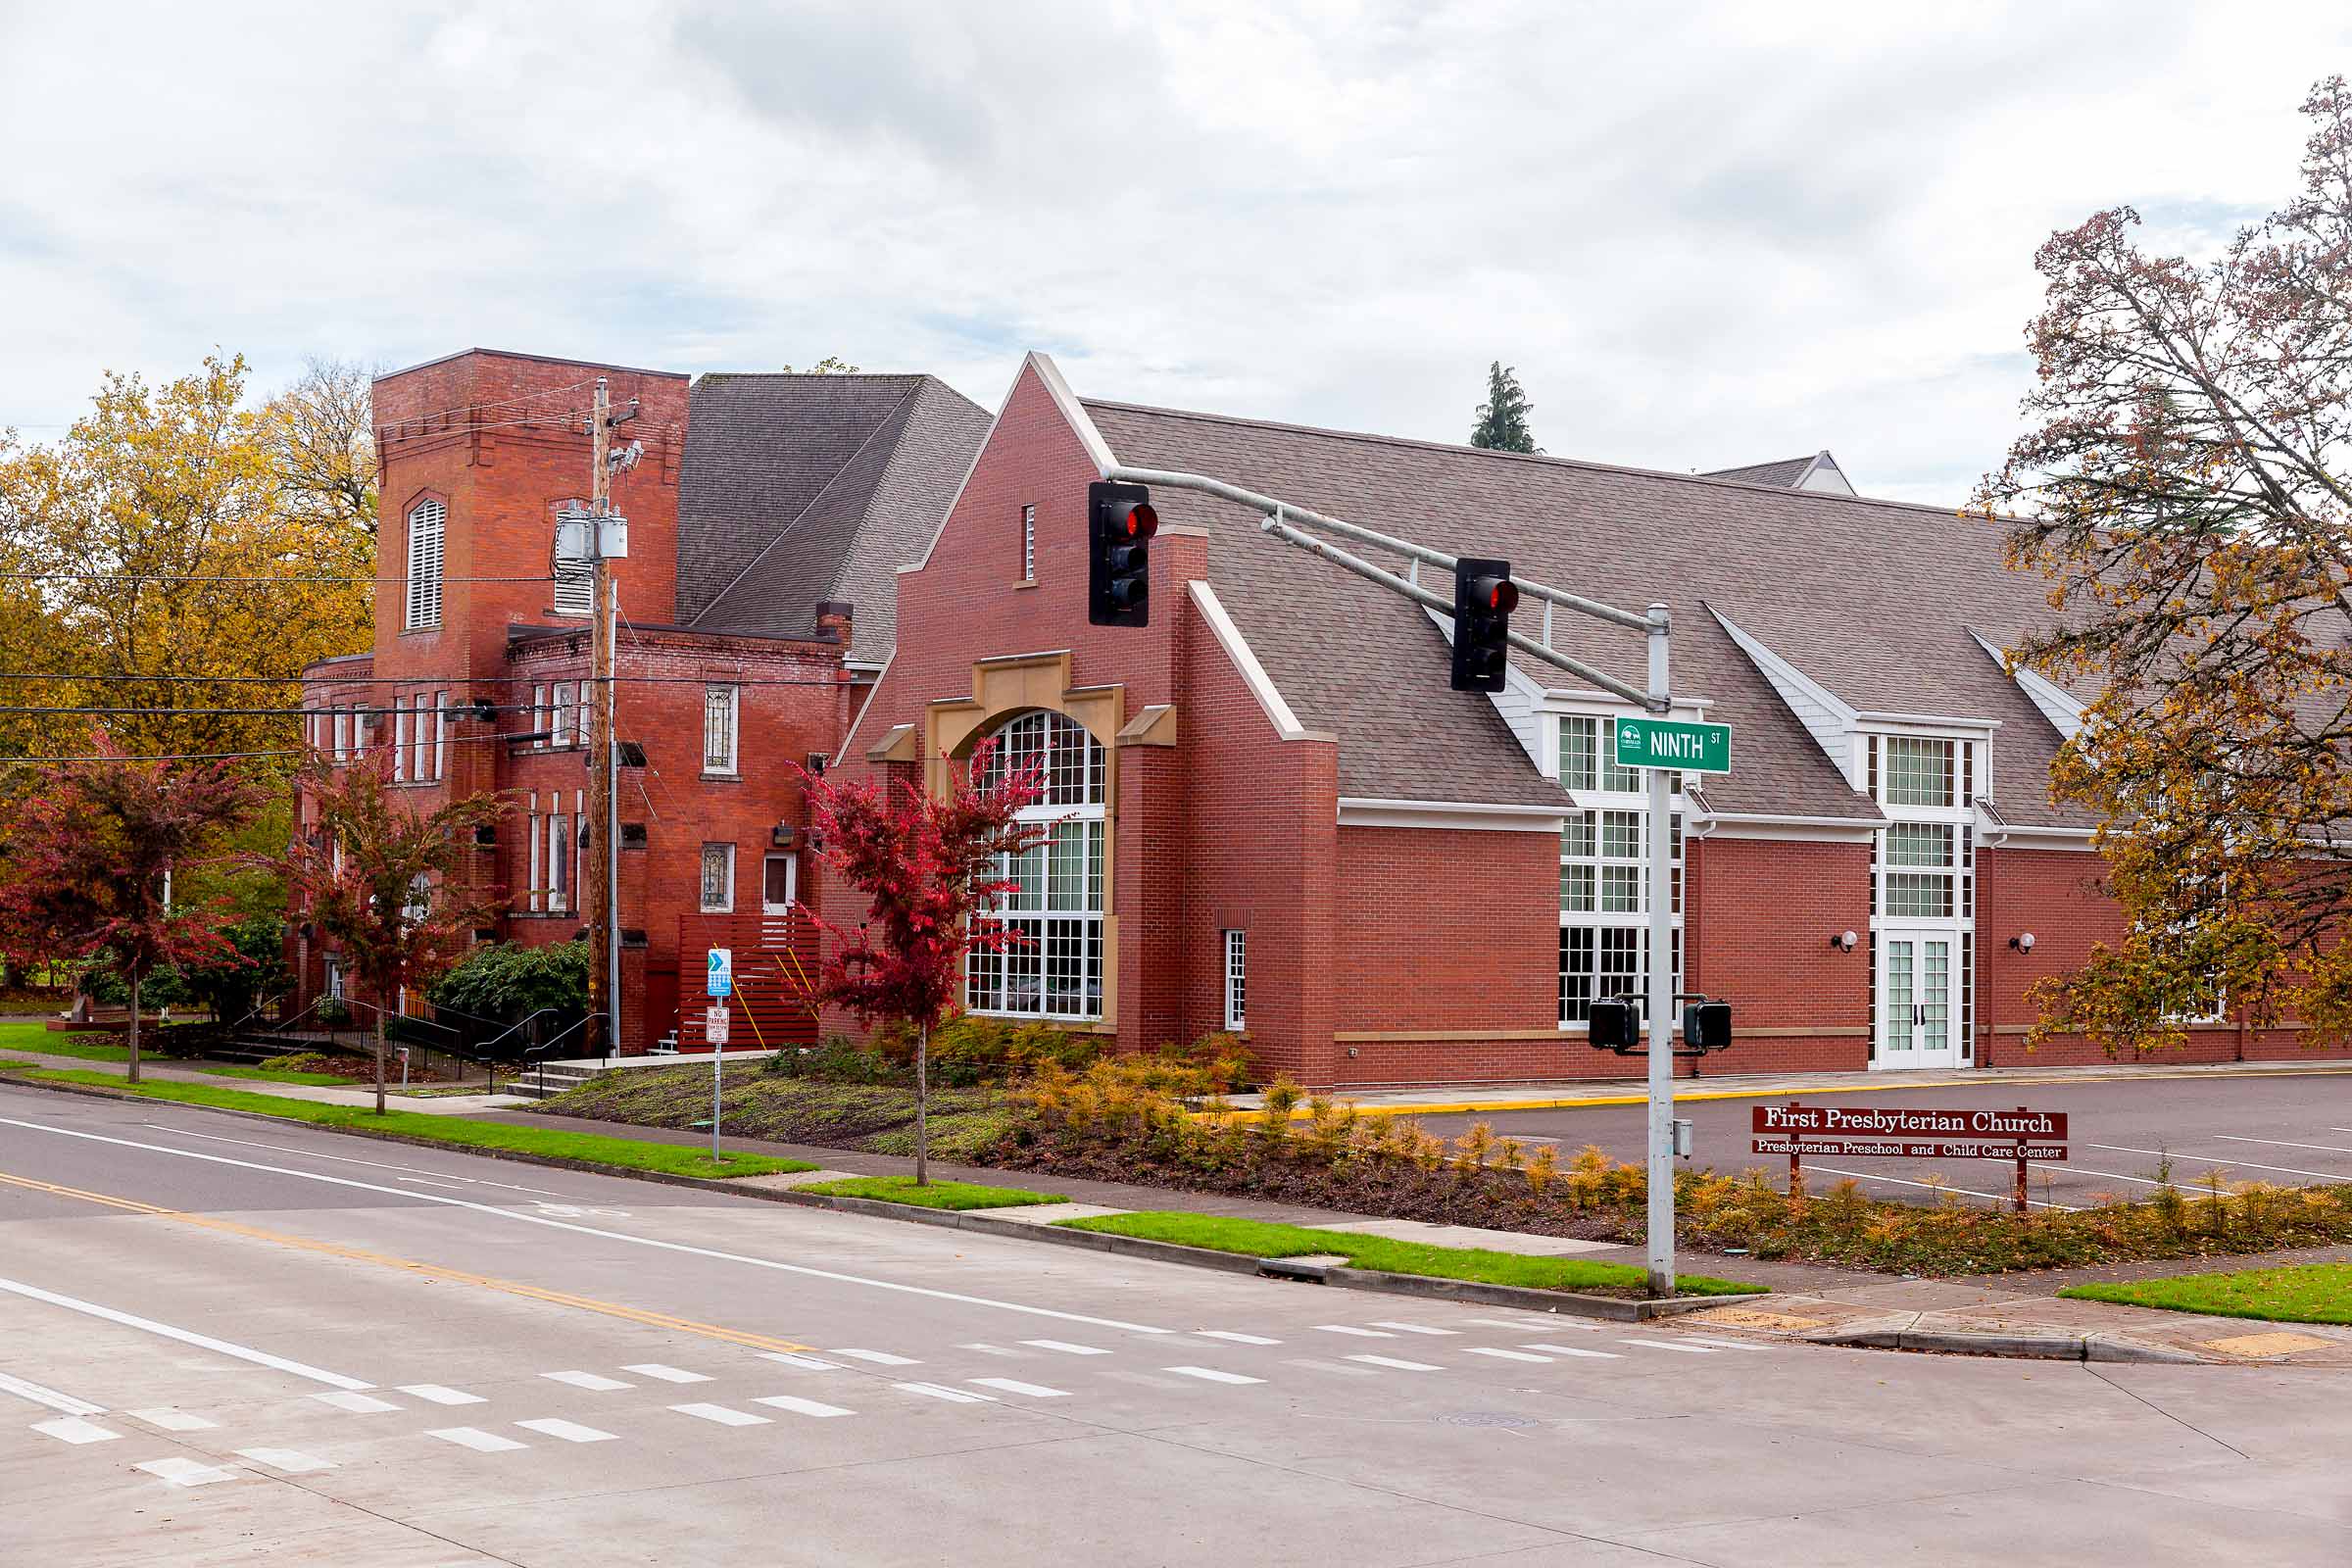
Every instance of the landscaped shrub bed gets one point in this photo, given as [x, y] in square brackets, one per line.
[1111, 1123]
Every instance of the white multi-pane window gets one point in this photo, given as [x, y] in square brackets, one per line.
[562, 724]
[719, 879]
[560, 861]
[1053, 966]
[425, 528]
[400, 739]
[1028, 544]
[1236, 978]
[342, 718]
[440, 734]
[1923, 897]
[539, 717]
[531, 836]
[1604, 878]
[721, 705]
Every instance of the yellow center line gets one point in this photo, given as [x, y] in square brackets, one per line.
[435, 1271]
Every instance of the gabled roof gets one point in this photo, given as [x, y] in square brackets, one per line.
[799, 489]
[1873, 600]
[1820, 471]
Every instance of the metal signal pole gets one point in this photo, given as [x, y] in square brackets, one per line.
[1660, 827]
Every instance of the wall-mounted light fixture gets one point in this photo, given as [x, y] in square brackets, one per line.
[2022, 942]
[1844, 941]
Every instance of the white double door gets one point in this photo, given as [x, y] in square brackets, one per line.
[1919, 1015]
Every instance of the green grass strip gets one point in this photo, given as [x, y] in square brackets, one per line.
[2305, 1293]
[934, 1195]
[83, 1047]
[458, 1132]
[316, 1080]
[1259, 1239]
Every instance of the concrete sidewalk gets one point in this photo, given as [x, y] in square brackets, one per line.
[169, 1070]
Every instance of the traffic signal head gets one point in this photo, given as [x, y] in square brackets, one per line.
[1120, 523]
[1707, 1026]
[1614, 1024]
[1484, 597]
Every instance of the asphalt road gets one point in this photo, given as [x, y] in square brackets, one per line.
[226, 1340]
[2124, 1136]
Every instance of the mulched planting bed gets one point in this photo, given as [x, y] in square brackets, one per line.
[875, 1118]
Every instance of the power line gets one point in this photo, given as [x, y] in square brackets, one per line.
[396, 681]
[179, 576]
[357, 753]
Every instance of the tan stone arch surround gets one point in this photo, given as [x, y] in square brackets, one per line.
[1015, 684]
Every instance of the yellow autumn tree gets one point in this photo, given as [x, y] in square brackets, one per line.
[178, 549]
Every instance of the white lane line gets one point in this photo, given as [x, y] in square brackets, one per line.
[1943, 1187]
[355, 1403]
[1410, 1328]
[1571, 1350]
[1313, 1365]
[2329, 1148]
[439, 1393]
[721, 1414]
[2086, 1170]
[1398, 1363]
[186, 1472]
[1361, 1333]
[1238, 1339]
[1732, 1344]
[569, 1431]
[668, 1374]
[939, 1390]
[785, 1401]
[183, 1336]
[2283, 1170]
[42, 1394]
[172, 1420]
[431, 1181]
[477, 1438]
[1035, 1391]
[74, 1429]
[1142, 1380]
[990, 1349]
[1516, 1323]
[516, 1216]
[1211, 1374]
[341, 1159]
[1066, 1348]
[593, 1382]
[811, 1363]
[1505, 1355]
[293, 1462]
[879, 1357]
[1670, 1345]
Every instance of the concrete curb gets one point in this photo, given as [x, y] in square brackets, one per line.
[1614, 1308]
[2012, 1346]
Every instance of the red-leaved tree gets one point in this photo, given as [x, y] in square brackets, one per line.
[928, 867]
[90, 851]
[388, 883]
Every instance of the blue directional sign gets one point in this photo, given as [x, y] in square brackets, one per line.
[720, 981]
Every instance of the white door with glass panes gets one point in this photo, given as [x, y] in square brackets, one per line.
[1917, 1021]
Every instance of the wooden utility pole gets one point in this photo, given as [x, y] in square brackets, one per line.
[596, 859]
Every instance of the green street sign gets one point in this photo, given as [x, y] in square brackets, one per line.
[1667, 743]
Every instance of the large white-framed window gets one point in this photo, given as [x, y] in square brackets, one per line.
[1237, 979]
[426, 524]
[1922, 895]
[719, 879]
[562, 724]
[533, 828]
[400, 739]
[1053, 965]
[1605, 884]
[559, 861]
[1028, 544]
[342, 733]
[779, 884]
[722, 707]
[440, 735]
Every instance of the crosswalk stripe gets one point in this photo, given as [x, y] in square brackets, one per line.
[1410, 1328]
[1732, 1344]
[668, 1374]
[594, 1382]
[1398, 1363]
[357, 1404]
[989, 1350]
[1506, 1355]
[1571, 1350]
[1211, 1374]
[438, 1393]
[1669, 1345]
[74, 1429]
[569, 1431]
[812, 1363]
[941, 1392]
[785, 1401]
[1066, 1348]
[186, 1472]
[1238, 1339]
[477, 1438]
[1361, 1333]
[880, 1358]
[721, 1414]
[39, 1394]
[172, 1419]
[1333, 1367]
[1015, 1386]
[293, 1462]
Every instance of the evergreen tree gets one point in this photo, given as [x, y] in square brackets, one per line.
[1502, 419]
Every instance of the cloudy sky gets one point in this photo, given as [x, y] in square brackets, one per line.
[1704, 234]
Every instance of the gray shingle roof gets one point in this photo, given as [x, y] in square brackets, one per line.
[1783, 474]
[1871, 599]
[798, 489]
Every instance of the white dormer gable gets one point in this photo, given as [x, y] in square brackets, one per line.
[1831, 722]
[2056, 702]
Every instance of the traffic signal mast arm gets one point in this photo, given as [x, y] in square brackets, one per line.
[1278, 520]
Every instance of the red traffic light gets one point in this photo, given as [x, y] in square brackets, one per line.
[1502, 597]
[1142, 521]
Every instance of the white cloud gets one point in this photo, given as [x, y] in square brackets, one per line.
[1712, 236]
